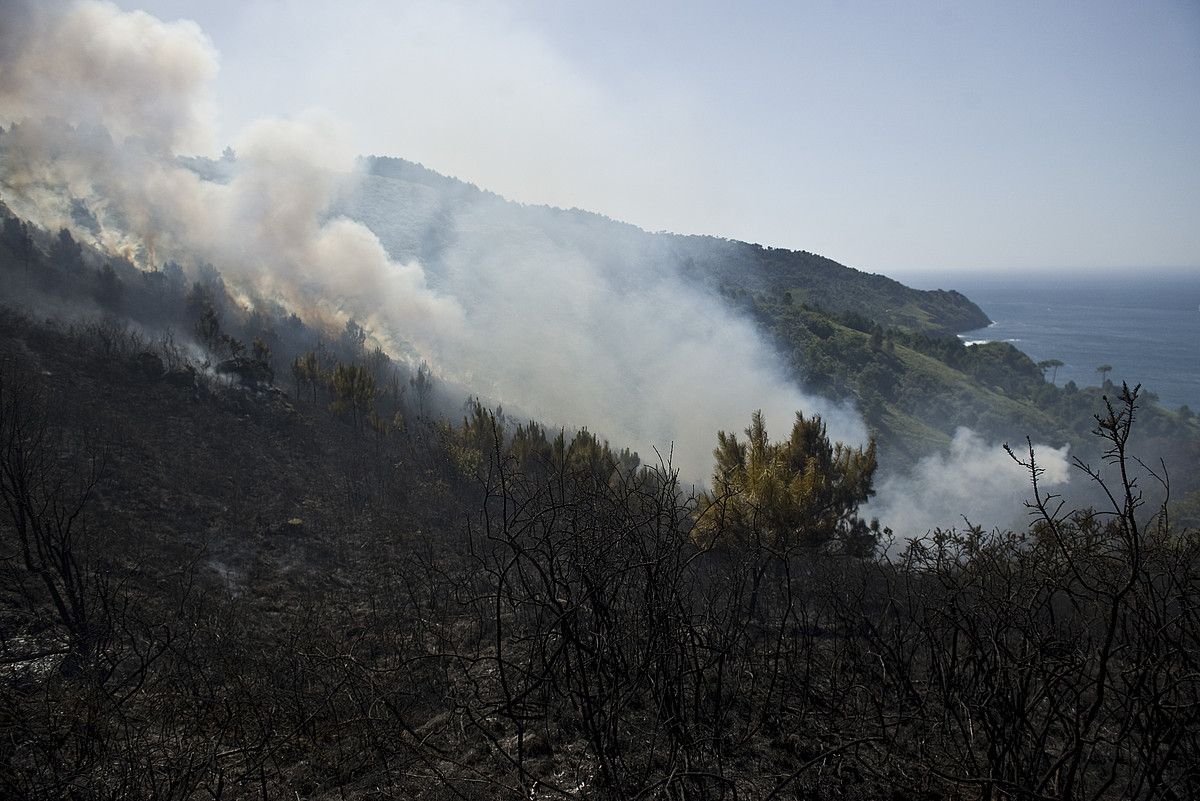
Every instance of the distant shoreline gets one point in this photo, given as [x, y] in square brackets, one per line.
[1143, 323]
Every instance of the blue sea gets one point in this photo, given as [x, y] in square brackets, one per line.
[1145, 323]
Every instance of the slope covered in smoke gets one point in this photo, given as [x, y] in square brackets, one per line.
[653, 340]
[517, 313]
[864, 340]
[417, 213]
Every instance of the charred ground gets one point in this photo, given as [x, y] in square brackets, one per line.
[216, 589]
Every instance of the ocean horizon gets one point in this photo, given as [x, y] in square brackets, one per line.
[1145, 323]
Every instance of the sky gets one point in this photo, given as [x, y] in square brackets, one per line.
[958, 136]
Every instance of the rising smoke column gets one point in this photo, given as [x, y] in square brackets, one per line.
[973, 482]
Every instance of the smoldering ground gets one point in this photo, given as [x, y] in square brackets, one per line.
[973, 483]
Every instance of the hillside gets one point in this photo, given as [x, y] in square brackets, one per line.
[869, 341]
[331, 478]
[253, 556]
[419, 214]
[232, 593]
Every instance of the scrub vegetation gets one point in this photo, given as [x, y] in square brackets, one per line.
[246, 555]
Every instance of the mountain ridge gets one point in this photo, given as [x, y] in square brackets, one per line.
[722, 263]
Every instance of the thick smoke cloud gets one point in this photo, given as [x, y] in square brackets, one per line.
[276, 238]
[975, 482]
[107, 102]
[129, 72]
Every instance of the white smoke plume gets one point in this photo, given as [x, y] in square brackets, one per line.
[108, 101]
[618, 342]
[975, 482]
[91, 62]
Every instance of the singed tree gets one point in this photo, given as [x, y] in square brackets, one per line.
[306, 370]
[16, 237]
[65, 253]
[804, 491]
[353, 389]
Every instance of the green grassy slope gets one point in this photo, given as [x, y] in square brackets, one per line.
[914, 390]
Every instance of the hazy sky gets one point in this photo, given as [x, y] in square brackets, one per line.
[888, 136]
